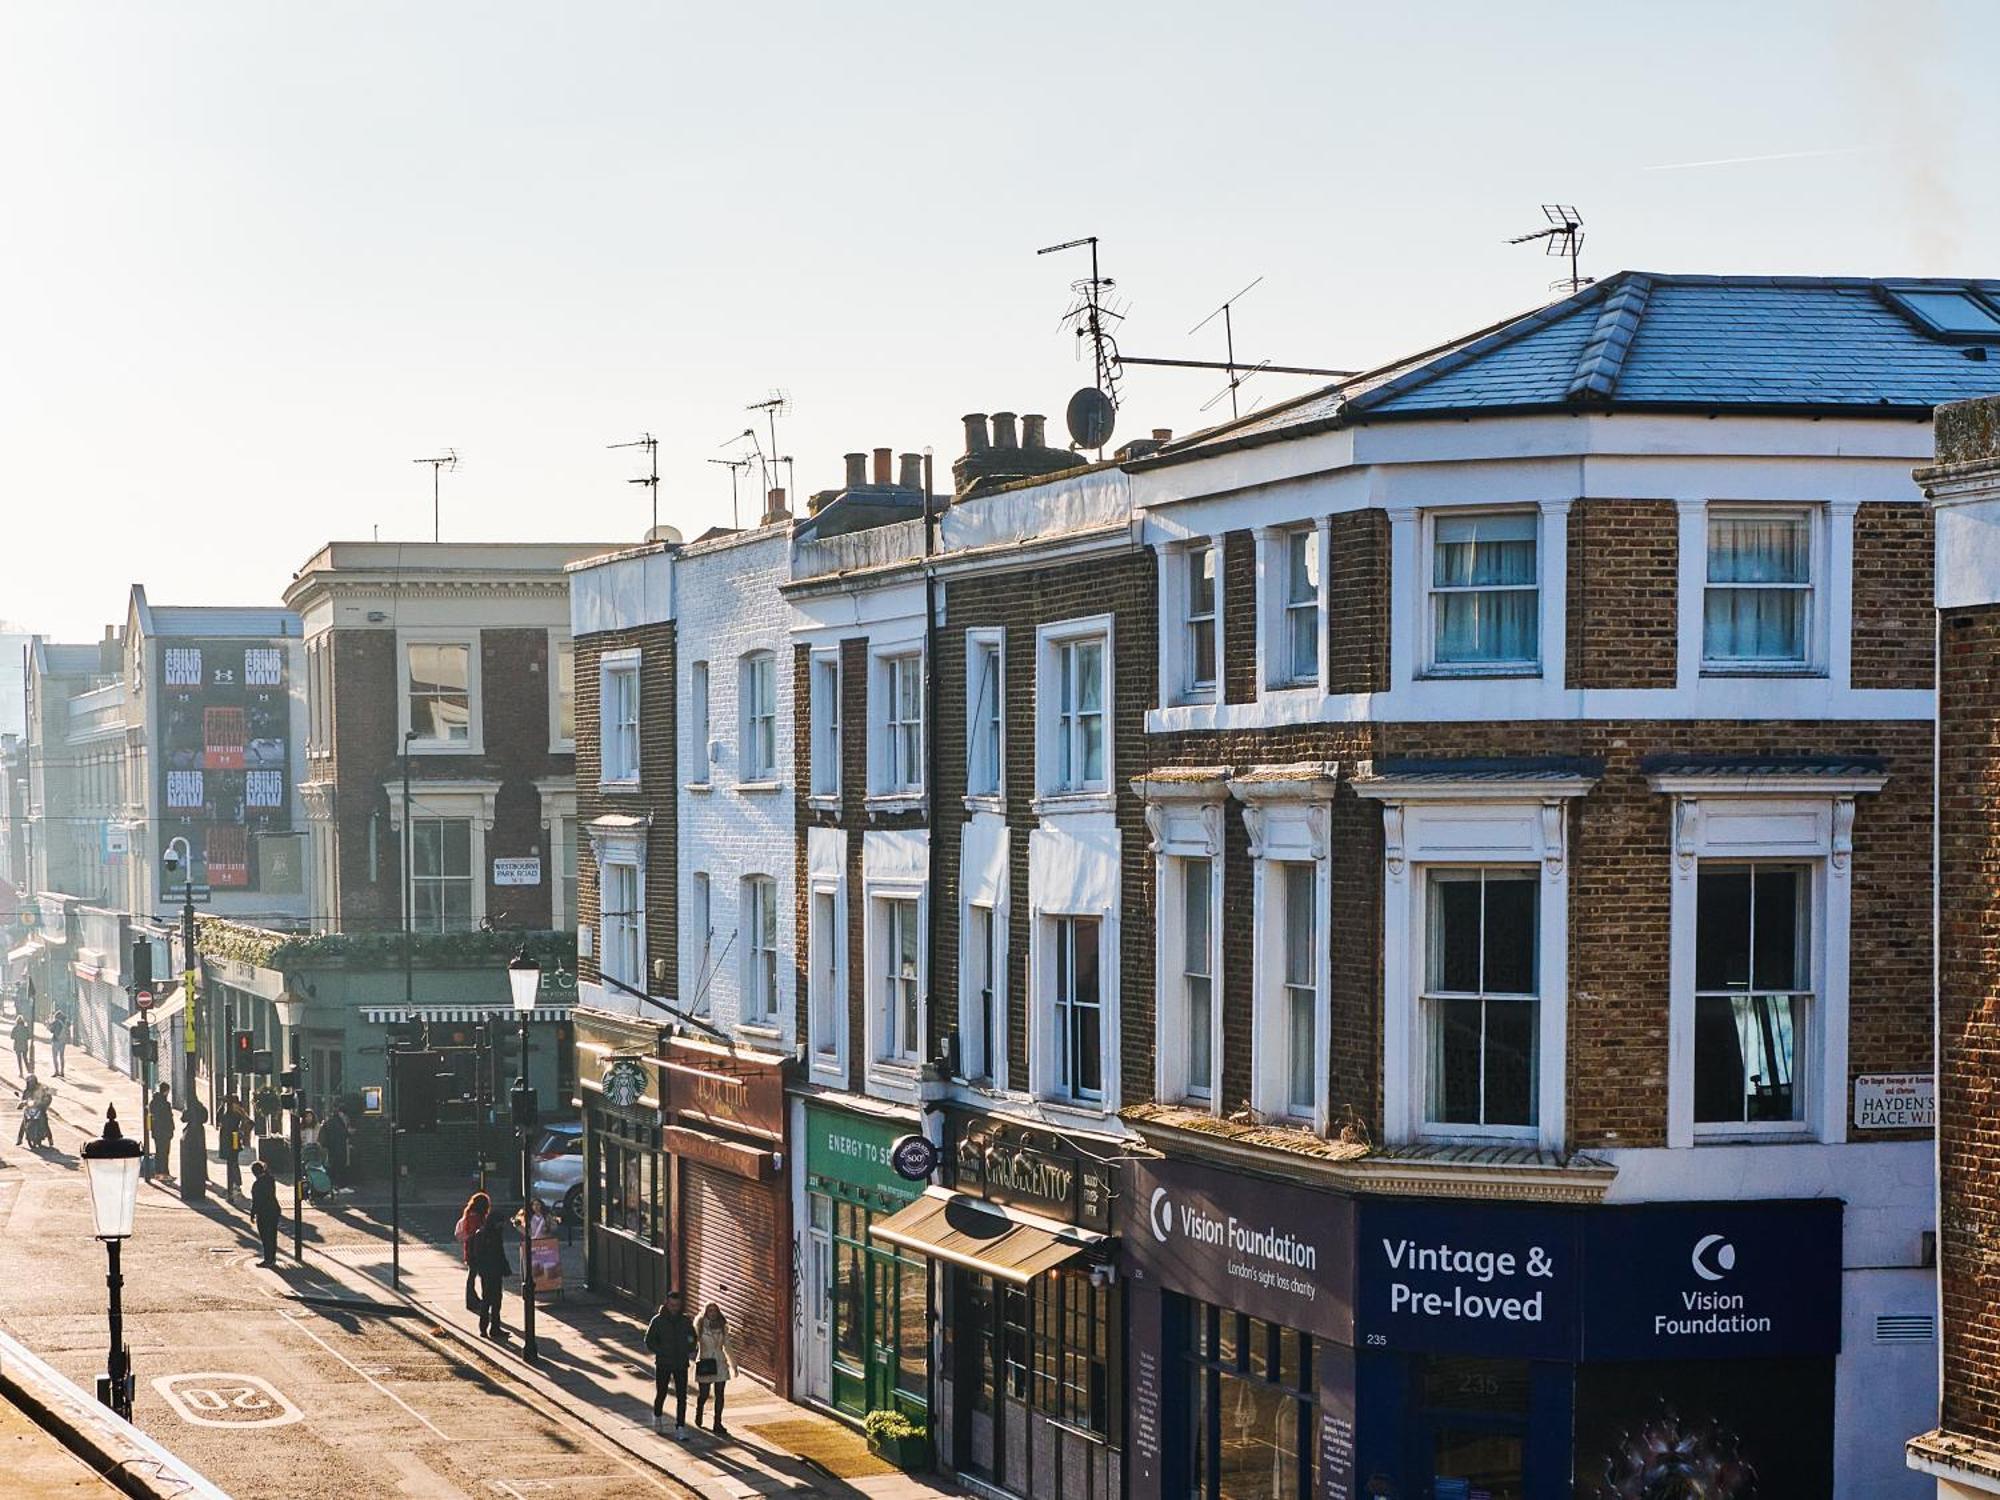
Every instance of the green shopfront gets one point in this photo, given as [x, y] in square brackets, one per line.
[864, 1329]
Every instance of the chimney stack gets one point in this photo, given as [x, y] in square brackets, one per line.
[857, 470]
[774, 507]
[975, 432]
[1163, 435]
[912, 477]
[1003, 430]
[882, 456]
[1034, 430]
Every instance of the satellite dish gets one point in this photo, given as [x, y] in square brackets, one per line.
[1090, 415]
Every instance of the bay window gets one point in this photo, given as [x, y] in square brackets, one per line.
[1197, 878]
[1198, 624]
[1481, 998]
[1298, 634]
[440, 874]
[1301, 988]
[1753, 992]
[1484, 582]
[439, 694]
[1757, 602]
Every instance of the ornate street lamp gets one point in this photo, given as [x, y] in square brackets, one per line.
[111, 1166]
[524, 979]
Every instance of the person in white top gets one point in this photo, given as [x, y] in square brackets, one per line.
[714, 1361]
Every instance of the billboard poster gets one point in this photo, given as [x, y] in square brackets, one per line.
[224, 724]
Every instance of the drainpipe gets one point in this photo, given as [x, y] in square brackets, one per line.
[933, 1277]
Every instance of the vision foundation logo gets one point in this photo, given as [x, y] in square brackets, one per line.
[1268, 1255]
[1712, 1259]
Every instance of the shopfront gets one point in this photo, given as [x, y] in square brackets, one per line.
[625, 1174]
[1674, 1349]
[865, 1316]
[1031, 1388]
[1241, 1321]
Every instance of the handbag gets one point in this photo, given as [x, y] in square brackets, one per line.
[705, 1369]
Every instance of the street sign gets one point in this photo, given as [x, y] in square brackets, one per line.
[195, 893]
[517, 871]
[914, 1158]
[143, 999]
[187, 1016]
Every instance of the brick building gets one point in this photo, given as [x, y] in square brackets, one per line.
[1962, 1453]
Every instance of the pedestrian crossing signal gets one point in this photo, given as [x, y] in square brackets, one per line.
[242, 1051]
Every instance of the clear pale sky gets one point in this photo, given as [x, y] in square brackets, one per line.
[254, 259]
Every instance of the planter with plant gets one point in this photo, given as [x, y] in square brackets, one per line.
[895, 1439]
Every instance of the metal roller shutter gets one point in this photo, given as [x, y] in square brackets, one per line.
[729, 1235]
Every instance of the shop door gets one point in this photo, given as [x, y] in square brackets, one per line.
[324, 1076]
[993, 1376]
[816, 1299]
[1473, 1435]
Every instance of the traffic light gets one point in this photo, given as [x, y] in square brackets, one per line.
[289, 1082]
[527, 1111]
[142, 964]
[242, 1051]
[417, 1092]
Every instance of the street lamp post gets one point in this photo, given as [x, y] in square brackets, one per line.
[111, 1164]
[290, 1010]
[524, 979]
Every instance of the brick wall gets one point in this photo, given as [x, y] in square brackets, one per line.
[362, 706]
[1968, 1020]
[1624, 591]
[1894, 626]
[1239, 617]
[1357, 602]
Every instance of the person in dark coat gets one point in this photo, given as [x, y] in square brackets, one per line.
[671, 1338]
[234, 1130]
[58, 1041]
[334, 1138]
[264, 1209]
[24, 1044]
[489, 1264]
[160, 1115]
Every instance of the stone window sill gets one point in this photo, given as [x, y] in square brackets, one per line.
[759, 788]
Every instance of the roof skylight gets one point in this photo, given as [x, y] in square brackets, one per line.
[1950, 312]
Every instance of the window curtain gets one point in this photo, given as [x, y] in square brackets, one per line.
[1492, 613]
[1763, 617]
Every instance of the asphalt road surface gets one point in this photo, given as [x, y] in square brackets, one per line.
[271, 1398]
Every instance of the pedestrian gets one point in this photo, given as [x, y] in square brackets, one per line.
[234, 1130]
[489, 1263]
[31, 1097]
[58, 1040]
[714, 1361]
[24, 1043]
[334, 1139]
[477, 1207]
[160, 1115]
[671, 1337]
[264, 1209]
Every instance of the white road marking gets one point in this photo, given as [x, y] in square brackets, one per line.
[294, 1320]
[207, 1398]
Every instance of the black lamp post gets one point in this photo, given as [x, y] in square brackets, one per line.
[111, 1164]
[524, 979]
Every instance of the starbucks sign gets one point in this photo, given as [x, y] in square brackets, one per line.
[624, 1081]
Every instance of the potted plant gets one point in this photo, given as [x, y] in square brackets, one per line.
[894, 1438]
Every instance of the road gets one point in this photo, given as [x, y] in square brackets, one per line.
[269, 1396]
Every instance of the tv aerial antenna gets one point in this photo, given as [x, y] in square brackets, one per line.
[735, 466]
[652, 479]
[773, 406]
[1236, 371]
[445, 460]
[1563, 237]
[1092, 411]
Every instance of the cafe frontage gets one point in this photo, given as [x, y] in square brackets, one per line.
[1297, 1340]
[1021, 1235]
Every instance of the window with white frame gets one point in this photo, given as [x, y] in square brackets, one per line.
[566, 843]
[438, 693]
[758, 687]
[1072, 701]
[1199, 663]
[979, 1024]
[1757, 605]
[701, 943]
[1076, 1008]
[1485, 587]
[620, 920]
[1196, 880]
[562, 693]
[618, 695]
[1295, 657]
[902, 752]
[760, 951]
[824, 1001]
[1300, 1018]
[825, 707]
[898, 1016]
[1753, 992]
[441, 874]
[984, 694]
[1481, 1000]
[698, 756]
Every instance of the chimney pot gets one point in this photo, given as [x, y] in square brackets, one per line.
[857, 470]
[975, 432]
[1163, 435]
[882, 456]
[774, 506]
[1003, 430]
[1034, 430]
[912, 477]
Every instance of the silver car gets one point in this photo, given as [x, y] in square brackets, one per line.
[557, 1170]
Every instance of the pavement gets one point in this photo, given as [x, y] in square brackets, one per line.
[40, 1468]
[593, 1368]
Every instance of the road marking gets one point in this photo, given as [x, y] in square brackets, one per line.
[220, 1398]
[294, 1320]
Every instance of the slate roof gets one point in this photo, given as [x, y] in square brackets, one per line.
[1734, 767]
[222, 622]
[1486, 768]
[1640, 341]
[60, 660]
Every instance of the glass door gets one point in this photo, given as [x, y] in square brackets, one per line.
[1474, 1431]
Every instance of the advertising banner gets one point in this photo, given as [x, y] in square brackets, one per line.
[225, 724]
[1281, 1253]
[854, 1149]
[1441, 1278]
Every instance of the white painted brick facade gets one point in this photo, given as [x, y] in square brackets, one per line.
[727, 606]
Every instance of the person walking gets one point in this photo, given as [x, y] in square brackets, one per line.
[160, 1115]
[477, 1207]
[714, 1361]
[671, 1337]
[335, 1137]
[234, 1130]
[24, 1043]
[58, 1041]
[264, 1209]
[489, 1263]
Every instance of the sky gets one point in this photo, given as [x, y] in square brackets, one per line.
[255, 260]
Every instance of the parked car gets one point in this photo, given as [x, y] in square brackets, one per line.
[557, 1174]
